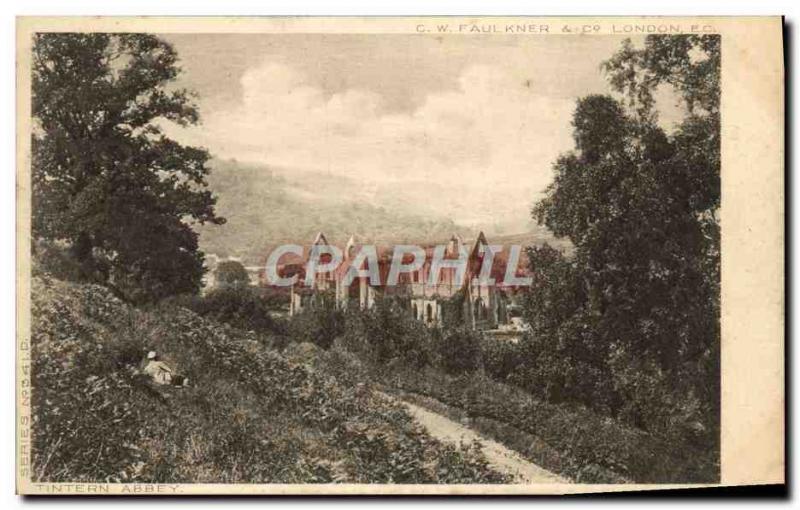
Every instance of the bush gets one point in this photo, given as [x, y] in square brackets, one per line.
[231, 273]
[240, 306]
[319, 325]
[657, 402]
[500, 358]
[56, 260]
[459, 350]
[387, 333]
[565, 367]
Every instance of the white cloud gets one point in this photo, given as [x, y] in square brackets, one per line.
[486, 148]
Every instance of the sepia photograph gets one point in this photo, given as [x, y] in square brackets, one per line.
[479, 253]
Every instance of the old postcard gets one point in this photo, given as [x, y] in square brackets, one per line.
[399, 255]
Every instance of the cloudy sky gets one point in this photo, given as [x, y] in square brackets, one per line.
[462, 126]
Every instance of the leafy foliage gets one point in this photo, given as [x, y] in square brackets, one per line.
[630, 324]
[387, 333]
[500, 358]
[105, 177]
[231, 273]
[319, 324]
[458, 350]
[241, 307]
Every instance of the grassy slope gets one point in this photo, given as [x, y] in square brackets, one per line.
[249, 416]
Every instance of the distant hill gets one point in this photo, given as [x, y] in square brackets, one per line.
[266, 207]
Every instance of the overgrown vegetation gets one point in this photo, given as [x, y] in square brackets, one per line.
[240, 306]
[487, 379]
[319, 325]
[248, 415]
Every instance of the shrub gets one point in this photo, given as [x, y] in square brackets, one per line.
[500, 358]
[57, 260]
[459, 350]
[231, 273]
[240, 306]
[319, 325]
[386, 333]
[563, 368]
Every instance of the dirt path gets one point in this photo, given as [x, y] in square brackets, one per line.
[500, 458]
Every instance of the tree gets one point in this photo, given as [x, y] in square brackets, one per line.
[563, 359]
[231, 273]
[632, 321]
[691, 65]
[106, 180]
